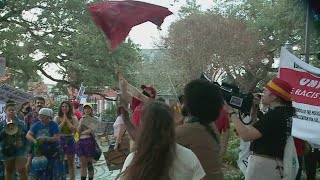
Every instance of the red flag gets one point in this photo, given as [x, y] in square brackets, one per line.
[116, 18]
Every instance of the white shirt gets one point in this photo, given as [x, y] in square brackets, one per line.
[116, 129]
[185, 165]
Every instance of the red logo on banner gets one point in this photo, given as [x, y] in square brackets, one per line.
[306, 86]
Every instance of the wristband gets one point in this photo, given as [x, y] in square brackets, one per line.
[36, 147]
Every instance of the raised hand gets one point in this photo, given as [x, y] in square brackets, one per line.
[256, 99]
[124, 112]
[119, 72]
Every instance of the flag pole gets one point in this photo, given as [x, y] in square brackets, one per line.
[307, 34]
[174, 89]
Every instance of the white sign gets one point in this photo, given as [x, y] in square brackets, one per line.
[80, 95]
[305, 80]
[244, 149]
[83, 99]
[8, 92]
[2, 110]
[90, 123]
[2, 67]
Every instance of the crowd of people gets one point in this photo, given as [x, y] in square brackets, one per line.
[186, 140]
[205, 116]
[31, 136]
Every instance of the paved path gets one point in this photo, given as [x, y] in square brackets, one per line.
[101, 171]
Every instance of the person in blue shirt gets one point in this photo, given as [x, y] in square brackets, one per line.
[45, 134]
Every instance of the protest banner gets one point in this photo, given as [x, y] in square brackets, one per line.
[305, 80]
[2, 110]
[90, 123]
[8, 92]
[81, 92]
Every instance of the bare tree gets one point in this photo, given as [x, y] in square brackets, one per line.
[206, 42]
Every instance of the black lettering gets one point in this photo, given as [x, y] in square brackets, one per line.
[2, 110]
[245, 163]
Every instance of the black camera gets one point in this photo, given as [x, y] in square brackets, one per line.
[233, 96]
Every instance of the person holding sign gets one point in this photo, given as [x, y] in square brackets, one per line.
[68, 126]
[13, 143]
[269, 134]
[86, 146]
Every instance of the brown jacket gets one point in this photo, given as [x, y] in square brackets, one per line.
[195, 137]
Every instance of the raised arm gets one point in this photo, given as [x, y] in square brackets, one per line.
[129, 126]
[134, 91]
[128, 91]
[245, 133]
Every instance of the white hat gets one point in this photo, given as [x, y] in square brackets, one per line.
[46, 111]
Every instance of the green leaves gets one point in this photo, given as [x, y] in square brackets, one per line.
[41, 33]
[2, 4]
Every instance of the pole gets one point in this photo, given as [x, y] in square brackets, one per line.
[307, 34]
[100, 107]
[174, 89]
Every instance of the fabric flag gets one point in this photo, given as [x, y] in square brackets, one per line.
[82, 89]
[116, 18]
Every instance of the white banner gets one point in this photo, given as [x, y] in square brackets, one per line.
[80, 95]
[305, 80]
[2, 110]
[244, 149]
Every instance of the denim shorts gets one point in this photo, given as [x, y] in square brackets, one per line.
[19, 154]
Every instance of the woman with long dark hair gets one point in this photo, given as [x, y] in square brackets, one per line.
[119, 130]
[24, 110]
[157, 156]
[68, 125]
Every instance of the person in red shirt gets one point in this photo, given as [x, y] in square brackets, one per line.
[76, 111]
[136, 105]
[223, 126]
[137, 99]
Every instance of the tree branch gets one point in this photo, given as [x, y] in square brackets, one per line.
[56, 80]
[73, 84]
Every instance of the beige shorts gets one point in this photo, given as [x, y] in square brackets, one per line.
[263, 168]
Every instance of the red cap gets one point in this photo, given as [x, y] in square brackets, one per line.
[152, 89]
[280, 88]
[75, 103]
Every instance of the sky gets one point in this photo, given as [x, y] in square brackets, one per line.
[146, 34]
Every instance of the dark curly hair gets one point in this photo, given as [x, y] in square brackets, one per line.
[203, 100]
[69, 113]
[10, 103]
